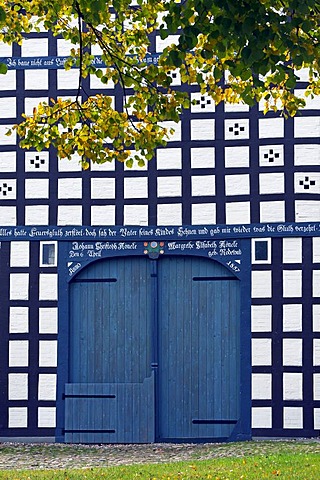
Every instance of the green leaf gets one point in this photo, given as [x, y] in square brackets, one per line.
[3, 68]
[2, 15]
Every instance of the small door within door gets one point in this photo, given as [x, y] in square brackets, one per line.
[110, 394]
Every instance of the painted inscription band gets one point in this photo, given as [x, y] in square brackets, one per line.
[205, 232]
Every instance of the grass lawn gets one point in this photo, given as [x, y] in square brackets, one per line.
[273, 463]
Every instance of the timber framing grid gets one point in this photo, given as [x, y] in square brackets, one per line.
[175, 302]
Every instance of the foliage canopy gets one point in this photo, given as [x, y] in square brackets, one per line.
[235, 50]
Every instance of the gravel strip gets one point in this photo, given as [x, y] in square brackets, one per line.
[63, 456]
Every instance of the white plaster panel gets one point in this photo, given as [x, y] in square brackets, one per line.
[103, 215]
[47, 386]
[162, 44]
[261, 318]
[271, 156]
[169, 186]
[303, 74]
[37, 188]
[18, 353]
[96, 50]
[316, 352]
[34, 47]
[18, 417]
[316, 418]
[69, 215]
[292, 250]
[135, 167]
[169, 213]
[202, 157]
[307, 182]
[8, 81]
[312, 101]
[292, 352]
[36, 162]
[19, 320]
[292, 317]
[307, 210]
[67, 79]
[271, 127]
[48, 320]
[47, 353]
[272, 211]
[237, 184]
[261, 417]
[203, 214]
[306, 127]
[237, 212]
[169, 158]
[202, 129]
[270, 183]
[69, 188]
[19, 254]
[72, 165]
[236, 129]
[18, 386]
[316, 386]
[261, 284]
[316, 283]
[261, 386]
[64, 47]
[5, 50]
[135, 215]
[36, 79]
[237, 157]
[95, 83]
[8, 161]
[176, 77]
[261, 351]
[292, 283]
[176, 135]
[8, 107]
[292, 417]
[292, 386]
[8, 189]
[307, 154]
[4, 138]
[236, 107]
[31, 103]
[19, 286]
[316, 318]
[46, 417]
[203, 185]
[48, 286]
[103, 188]
[37, 215]
[8, 216]
[316, 249]
[201, 103]
[102, 167]
[136, 187]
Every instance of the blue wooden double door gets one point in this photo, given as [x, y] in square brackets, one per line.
[154, 351]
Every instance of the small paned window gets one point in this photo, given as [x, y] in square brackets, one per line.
[261, 250]
[48, 254]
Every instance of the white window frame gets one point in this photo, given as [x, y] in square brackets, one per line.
[55, 263]
[254, 261]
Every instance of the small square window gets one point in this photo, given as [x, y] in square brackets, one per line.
[261, 250]
[48, 254]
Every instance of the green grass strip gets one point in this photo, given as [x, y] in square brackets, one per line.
[285, 466]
